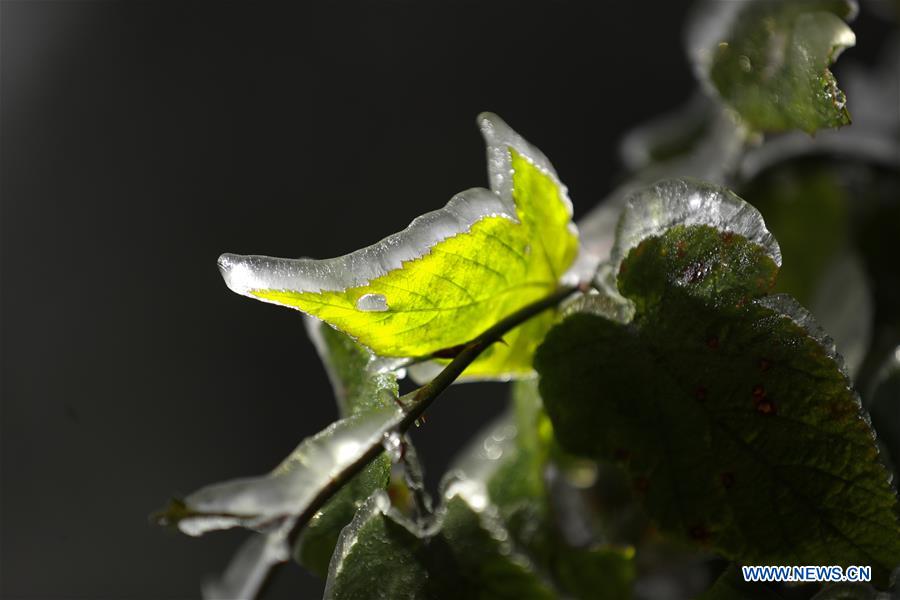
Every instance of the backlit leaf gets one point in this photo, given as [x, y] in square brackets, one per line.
[448, 276]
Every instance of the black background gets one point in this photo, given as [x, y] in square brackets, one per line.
[140, 140]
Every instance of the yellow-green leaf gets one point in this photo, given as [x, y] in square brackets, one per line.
[448, 276]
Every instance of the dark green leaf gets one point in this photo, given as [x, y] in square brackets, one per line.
[356, 390]
[378, 556]
[732, 407]
[769, 59]
[466, 553]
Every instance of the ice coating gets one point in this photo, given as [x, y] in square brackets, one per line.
[499, 137]
[245, 273]
[378, 505]
[711, 22]
[707, 25]
[613, 307]
[786, 305]
[874, 98]
[248, 568]
[684, 201]
[291, 486]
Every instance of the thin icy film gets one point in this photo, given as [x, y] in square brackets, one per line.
[655, 209]
[787, 306]
[243, 274]
[290, 487]
[249, 567]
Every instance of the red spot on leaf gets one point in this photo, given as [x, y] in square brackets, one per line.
[712, 342]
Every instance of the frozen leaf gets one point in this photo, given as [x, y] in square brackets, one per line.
[655, 209]
[256, 502]
[874, 137]
[379, 555]
[448, 276]
[732, 408]
[465, 553]
[271, 503]
[357, 390]
[769, 59]
[249, 567]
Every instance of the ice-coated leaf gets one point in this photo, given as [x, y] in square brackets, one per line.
[357, 390]
[271, 503]
[448, 276]
[465, 553]
[730, 407]
[256, 502]
[769, 59]
[379, 555]
[655, 209]
[357, 387]
[874, 137]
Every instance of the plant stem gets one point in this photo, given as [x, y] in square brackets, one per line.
[419, 400]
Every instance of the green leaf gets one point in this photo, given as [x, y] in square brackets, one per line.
[448, 276]
[379, 555]
[769, 59]
[466, 553]
[316, 544]
[357, 390]
[730, 405]
[357, 387]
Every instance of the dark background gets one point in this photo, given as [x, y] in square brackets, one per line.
[140, 140]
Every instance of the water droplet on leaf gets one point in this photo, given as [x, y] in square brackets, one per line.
[372, 303]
